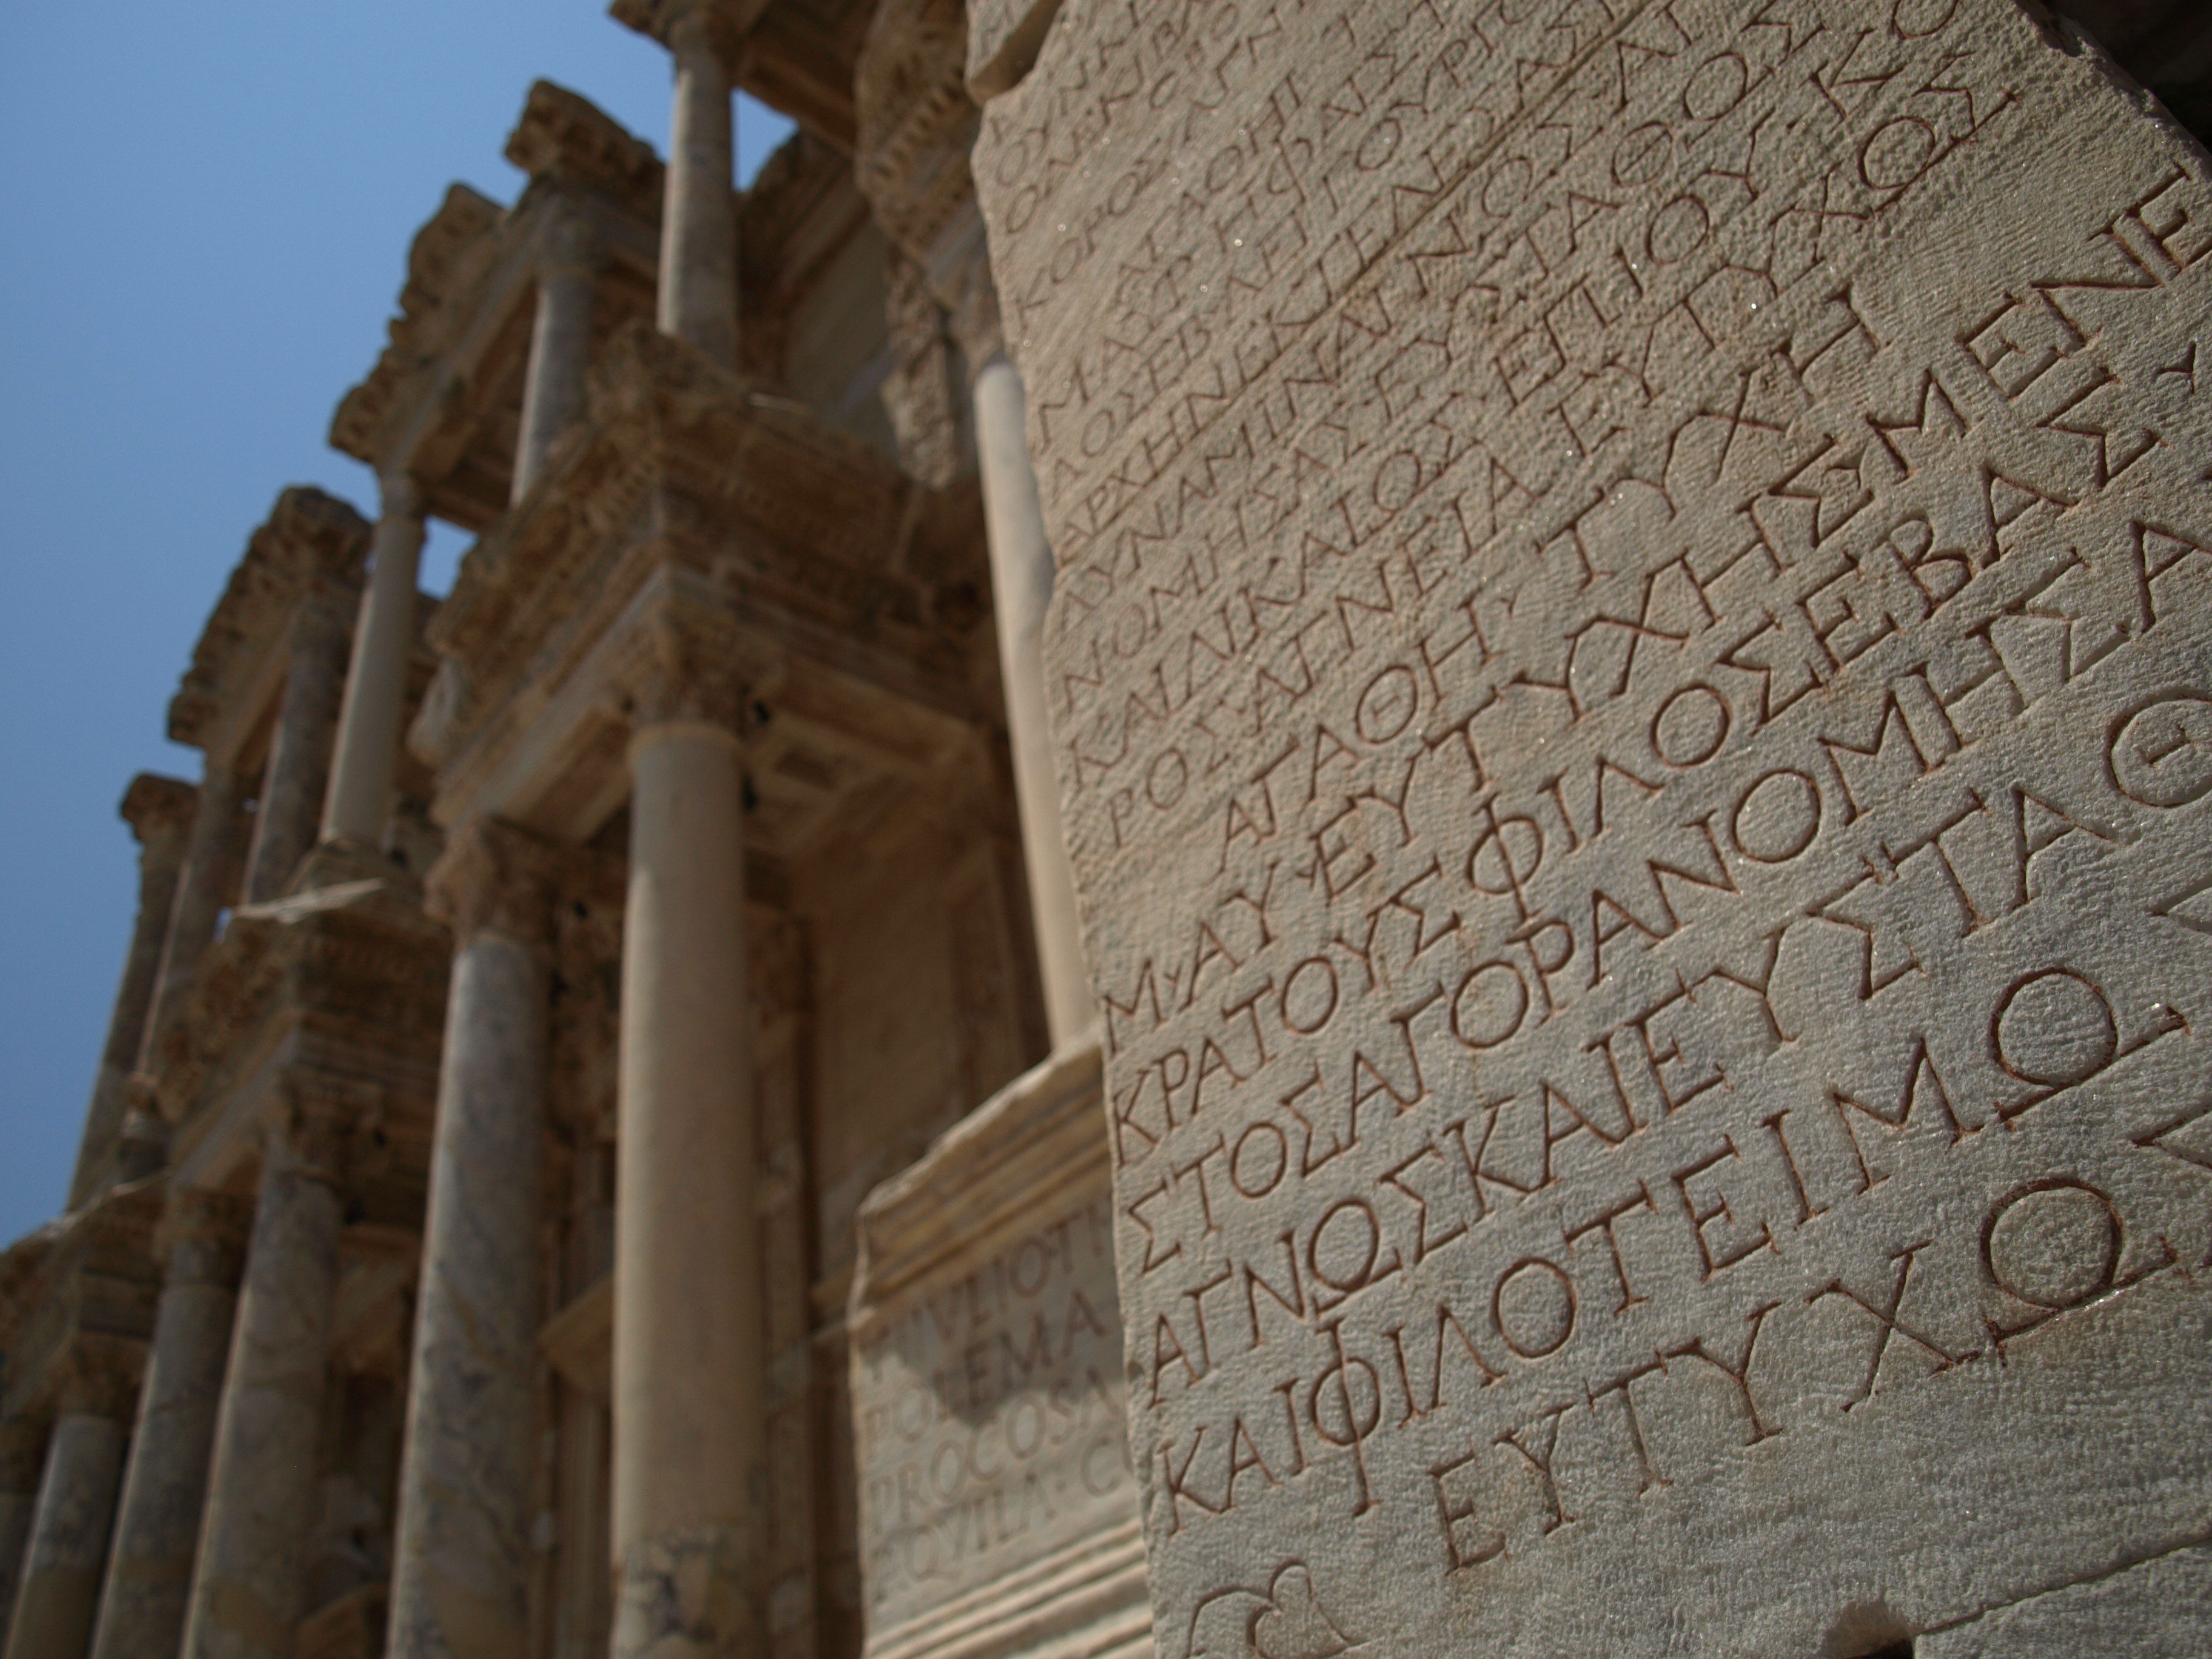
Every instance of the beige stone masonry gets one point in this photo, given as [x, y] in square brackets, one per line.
[1628, 670]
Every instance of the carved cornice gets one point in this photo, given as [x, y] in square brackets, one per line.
[447, 253]
[81, 1315]
[310, 540]
[917, 124]
[359, 961]
[495, 875]
[159, 809]
[564, 138]
[724, 22]
[682, 463]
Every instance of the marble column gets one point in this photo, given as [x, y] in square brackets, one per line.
[22, 1454]
[688, 1481]
[249, 1581]
[460, 1574]
[60, 1588]
[1021, 588]
[298, 772]
[698, 220]
[159, 812]
[560, 341]
[358, 807]
[203, 888]
[157, 1529]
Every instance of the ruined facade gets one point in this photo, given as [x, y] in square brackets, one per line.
[602, 1145]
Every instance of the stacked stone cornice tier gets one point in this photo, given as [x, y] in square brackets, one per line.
[337, 992]
[310, 549]
[444, 402]
[87, 1296]
[565, 140]
[690, 487]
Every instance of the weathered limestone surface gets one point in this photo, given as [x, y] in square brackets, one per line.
[249, 1581]
[291, 800]
[1629, 658]
[159, 811]
[998, 1513]
[60, 1586]
[149, 1566]
[460, 1575]
[690, 1476]
[23, 1449]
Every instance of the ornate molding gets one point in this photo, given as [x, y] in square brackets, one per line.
[310, 541]
[917, 123]
[446, 252]
[159, 809]
[565, 139]
[669, 22]
[495, 875]
[684, 661]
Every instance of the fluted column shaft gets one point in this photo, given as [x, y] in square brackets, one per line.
[698, 298]
[157, 1529]
[460, 1575]
[293, 784]
[359, 805]
[60, 1588]
[22, 1457]
[688, 1482]
[159, 811]
[1021, 589]
[250, 1580]
[560, 345]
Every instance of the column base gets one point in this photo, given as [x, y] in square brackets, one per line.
[684, 1595]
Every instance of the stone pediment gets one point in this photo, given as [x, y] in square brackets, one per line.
[309, 538]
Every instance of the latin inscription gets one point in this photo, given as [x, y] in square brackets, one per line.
[991, 1418]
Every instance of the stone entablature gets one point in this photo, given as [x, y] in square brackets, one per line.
[311, 549]
[798, 532]
[88, 1308]
[344, 983]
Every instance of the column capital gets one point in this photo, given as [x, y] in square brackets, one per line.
[201, 1237]
[495, 875]
[681, 26]
[312, 1128]
[685, 662]
[159, 809]
[399, 492]
[570, 243]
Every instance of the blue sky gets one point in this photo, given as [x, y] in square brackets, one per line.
[207, 209]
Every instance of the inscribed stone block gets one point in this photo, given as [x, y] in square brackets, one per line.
[1633, 666]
